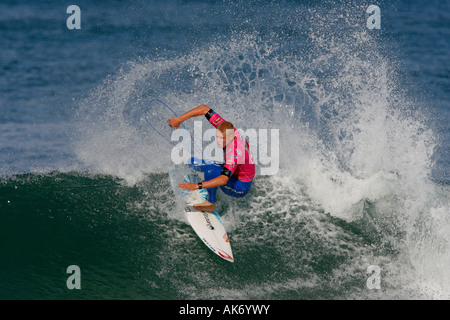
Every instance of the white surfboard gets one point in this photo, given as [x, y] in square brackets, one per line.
[207, 225]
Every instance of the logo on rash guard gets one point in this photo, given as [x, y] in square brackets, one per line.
[230, 163]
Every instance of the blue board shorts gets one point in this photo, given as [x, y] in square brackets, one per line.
[234, 187]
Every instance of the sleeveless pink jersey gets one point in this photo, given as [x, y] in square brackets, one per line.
[238, 157]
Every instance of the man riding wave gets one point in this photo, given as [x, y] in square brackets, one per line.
[235, 175]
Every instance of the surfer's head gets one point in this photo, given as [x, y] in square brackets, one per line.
[224, 134]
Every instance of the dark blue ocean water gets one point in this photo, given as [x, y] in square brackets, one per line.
[364, 156]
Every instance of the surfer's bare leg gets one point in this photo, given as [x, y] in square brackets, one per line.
[205, 206]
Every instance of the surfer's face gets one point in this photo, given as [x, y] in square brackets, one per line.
[223, 141]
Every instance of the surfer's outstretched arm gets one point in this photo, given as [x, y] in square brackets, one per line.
[213, 183]
[197, 111]
[216, 182]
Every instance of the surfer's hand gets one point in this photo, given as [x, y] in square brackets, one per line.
[174, 122]
[188, 186]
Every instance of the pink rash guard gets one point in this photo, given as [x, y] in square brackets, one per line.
[238, 157]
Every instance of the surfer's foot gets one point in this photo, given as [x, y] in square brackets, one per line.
[205, 206]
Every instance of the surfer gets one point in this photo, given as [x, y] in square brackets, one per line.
[235, 176]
